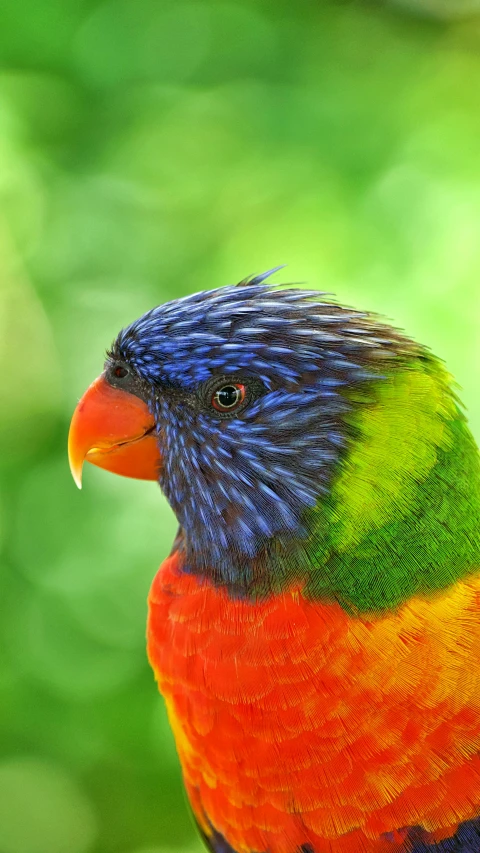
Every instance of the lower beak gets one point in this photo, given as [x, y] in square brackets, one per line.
[114, 430]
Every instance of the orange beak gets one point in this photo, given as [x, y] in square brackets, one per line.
[114, 430]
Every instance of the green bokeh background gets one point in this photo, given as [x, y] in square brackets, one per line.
[149, 149]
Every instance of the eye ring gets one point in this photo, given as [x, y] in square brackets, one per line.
[229, 397]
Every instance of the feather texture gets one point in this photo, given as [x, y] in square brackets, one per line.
[299, 724]
[316, 632]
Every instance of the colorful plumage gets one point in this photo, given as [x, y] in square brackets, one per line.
[316, 629]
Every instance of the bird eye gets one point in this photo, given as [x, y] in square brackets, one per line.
[229, 397]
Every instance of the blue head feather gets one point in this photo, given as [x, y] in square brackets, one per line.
[243, 485]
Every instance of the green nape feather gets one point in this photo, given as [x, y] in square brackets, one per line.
[403, 517]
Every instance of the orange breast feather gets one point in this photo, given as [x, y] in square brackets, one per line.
[297, 723]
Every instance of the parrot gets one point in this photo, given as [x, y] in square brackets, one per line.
[315, 630]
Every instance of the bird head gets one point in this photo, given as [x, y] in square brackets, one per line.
[244, 403]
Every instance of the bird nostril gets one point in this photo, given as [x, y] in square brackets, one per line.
[120, 372]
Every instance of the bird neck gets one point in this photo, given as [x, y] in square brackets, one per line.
[403, 516]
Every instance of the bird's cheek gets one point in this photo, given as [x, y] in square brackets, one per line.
[114, 430]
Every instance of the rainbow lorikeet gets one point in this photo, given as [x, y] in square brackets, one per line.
[316, 629]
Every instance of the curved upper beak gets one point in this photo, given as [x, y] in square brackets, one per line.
[114, 430]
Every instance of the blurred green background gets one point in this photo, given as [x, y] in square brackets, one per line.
[149, 149]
